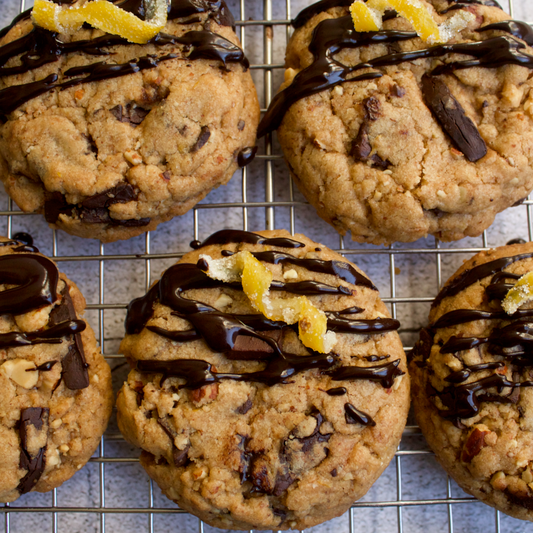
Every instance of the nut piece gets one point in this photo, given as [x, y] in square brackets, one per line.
[290, 274]
[205, 394]
[473, 445]
[223, 301]
[22, 372]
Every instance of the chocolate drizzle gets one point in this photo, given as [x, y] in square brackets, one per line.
[331, 36]
[227, 236]
[36, 278]
[355, 416]
[510, 341]
[40, 47]
[51, 335]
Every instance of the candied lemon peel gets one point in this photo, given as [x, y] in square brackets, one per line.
[368, 17]
[256, 280]
[521, 293]
[102, 15]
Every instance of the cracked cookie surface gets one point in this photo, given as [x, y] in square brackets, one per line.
[472, 381]
[239, 423]
[414, 148]
[119, 137]
[56, 386]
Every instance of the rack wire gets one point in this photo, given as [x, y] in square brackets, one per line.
[112, 493]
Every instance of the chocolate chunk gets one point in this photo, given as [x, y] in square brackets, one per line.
[280, 511]
[55, 204]
[334, 473]
[398, 91]
[180, 457]
[523, 500]
[34, 464]
[361, 149]
[423, 346]
[283, 482]
[130, 113]
[245, 457]
[244, 408]
[240, 125]
[519, 202]
[205, 133]
[120, 194]
[74, 372]
[451, 116]
[246, 156]
[90, 142]
[250, 348]
[354, 416]
[166, 175]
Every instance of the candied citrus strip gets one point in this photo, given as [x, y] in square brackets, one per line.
[521, 293]
[256, 280]
[364, 18]
[103, 15]
[416, 13]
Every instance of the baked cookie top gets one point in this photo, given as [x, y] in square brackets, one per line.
[241, 424]
[393, 139]
[109, 138]
[56, 386]
[472, 381]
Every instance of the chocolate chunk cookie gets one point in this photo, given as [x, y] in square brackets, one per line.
[56, 386]
[107, 138]
[238, 421]
[472, 381]
[393, 139]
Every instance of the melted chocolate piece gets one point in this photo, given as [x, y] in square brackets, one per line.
[245, 407]
[518, 240]
[130, 113]
[228, 236]
[205, 133]
[74, 367]
[246, 156]
[36, 417]
[120, 194]
[384, 374]
[36, 277]
[339, 391]
[355, 416]
[452, 117]
[331, 36]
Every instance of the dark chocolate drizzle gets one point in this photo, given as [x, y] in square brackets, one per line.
[331, 36]
[223, 332]
[36, 278]
[459, 4]
[511, 340]
[40, 47]
[355, 416]
[36, 417]
[51, 335]
[228, 236]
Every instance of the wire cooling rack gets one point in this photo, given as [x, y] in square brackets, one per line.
[112, 493]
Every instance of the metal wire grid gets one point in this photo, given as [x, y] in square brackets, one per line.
[269, 156]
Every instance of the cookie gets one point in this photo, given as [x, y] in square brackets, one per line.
[472, 378]
[107, 138]
[393, 139]
[238, 421]
[56, 386]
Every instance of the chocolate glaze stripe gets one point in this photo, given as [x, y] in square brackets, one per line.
[462, 402]
[459, 4]
[51, 335]
[355, 416]
[229, 236]
[472, 275]
[462, 375]
[384, 374]
[331, 36]
[36, 278]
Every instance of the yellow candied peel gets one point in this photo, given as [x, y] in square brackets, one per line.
[256, 280]
[368, 17]
[521, 293]
[102, 15]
